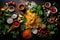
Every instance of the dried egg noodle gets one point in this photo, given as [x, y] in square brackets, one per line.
[33, 21]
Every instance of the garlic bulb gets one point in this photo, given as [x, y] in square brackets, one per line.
[14, 16]
[32, 4]
[9, 20]
[34, 31]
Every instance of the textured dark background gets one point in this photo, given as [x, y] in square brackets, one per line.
[37, 1]
[8, 36]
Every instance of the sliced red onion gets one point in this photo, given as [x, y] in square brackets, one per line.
[47, 4]
[53, 9]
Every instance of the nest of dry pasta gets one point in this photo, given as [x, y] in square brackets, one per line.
[32, 20]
